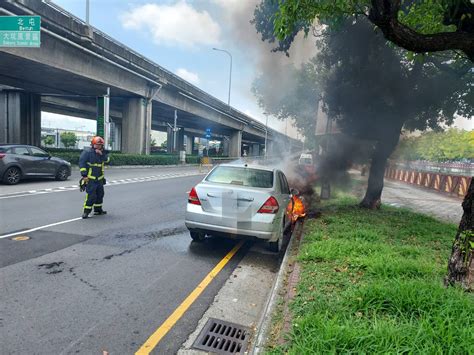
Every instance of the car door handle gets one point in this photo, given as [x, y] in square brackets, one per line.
[249, 199]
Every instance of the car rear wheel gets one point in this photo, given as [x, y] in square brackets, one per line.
[277, 245]
[197, 236]
[12, 176]
[62, 174]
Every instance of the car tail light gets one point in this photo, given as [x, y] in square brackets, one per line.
[193, 197]
[2, 155]
[270, 206]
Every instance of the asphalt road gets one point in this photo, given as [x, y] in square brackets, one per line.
[108, 282]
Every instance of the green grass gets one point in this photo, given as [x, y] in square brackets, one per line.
[371, 283]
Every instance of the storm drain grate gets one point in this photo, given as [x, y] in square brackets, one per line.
[221, 337]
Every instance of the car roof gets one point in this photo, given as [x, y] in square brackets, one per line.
[247, 165]
[15, 145]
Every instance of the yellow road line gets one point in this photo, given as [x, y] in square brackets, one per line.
[156, 337]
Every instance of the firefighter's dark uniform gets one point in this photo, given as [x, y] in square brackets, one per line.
[91, 165]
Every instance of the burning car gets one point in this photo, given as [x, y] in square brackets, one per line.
[240, 200]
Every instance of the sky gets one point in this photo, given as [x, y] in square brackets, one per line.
[180, 36]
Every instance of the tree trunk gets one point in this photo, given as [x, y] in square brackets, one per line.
[461, 262]
[383, 149]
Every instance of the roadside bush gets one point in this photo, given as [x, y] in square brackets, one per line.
[138, 159]
[118, 158]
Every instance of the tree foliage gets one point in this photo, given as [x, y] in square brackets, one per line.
[419, 26]
[68, 139]
[48, 140]
[453, 144]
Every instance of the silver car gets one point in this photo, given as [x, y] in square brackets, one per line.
[241, 201]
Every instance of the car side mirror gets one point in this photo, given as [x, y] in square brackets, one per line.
[294, 192]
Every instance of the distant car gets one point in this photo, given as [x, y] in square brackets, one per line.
[242, 201]
[21, 161]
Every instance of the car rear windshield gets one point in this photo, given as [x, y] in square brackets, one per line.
[241, 176]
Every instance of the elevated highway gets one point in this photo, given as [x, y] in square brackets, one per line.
[77, 63]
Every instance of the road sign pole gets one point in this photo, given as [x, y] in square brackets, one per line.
[107, 120]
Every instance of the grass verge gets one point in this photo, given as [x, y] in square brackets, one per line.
[371, 282]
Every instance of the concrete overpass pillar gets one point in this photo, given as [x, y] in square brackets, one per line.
[170, 140]
[225, 146]
[135, 131]
[180, 140]
[255, 150]
[189, 144]
[271, 150]
[235, 144]
[20, 118]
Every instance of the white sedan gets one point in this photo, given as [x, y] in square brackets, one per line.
[239, 200]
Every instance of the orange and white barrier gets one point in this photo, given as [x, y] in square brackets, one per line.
[454, 185]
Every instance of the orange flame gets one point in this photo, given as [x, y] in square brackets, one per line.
[296, 209]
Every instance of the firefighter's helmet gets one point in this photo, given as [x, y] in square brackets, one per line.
[97, 140]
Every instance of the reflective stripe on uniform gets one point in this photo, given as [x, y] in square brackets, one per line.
[97, 205]
[82, 169]
[98, 165]
[85, 203]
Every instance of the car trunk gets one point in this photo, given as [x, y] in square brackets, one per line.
[231, 201]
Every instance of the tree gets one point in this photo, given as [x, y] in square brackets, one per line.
[153, 142]
[298, 14]
[452, 144]
[48, 140]
[68, 139]
[418, 26]
[372, 91]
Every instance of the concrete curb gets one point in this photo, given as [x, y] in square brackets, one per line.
[264, 324]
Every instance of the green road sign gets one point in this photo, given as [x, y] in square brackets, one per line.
[100, 117]
[20, 31]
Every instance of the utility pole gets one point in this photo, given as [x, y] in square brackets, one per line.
[175, 130]
[87, 13]
[230, 71]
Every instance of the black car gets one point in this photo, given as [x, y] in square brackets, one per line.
[21, 161]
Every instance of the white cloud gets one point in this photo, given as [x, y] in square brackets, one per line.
[235, 5]
[188, 76]
[174, 24]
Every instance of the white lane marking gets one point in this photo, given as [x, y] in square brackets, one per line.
[109, 183]
[38, 228]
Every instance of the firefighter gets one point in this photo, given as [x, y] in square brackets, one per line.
[91, 164]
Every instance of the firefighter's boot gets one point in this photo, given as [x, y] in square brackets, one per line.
[85, 214]
[99, 212]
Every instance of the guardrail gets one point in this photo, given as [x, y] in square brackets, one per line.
[453, 185]
[453, 168]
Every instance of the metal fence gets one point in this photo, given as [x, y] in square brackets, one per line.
[453, 185]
